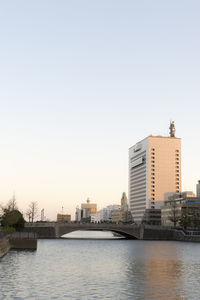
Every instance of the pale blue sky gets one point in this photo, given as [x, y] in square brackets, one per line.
[81, 82]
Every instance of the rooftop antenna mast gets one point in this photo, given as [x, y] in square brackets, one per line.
[172, 128]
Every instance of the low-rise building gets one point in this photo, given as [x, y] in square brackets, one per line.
[116, 215]
[63, 218]
[95, 218]
[105, 214]
[176, 204]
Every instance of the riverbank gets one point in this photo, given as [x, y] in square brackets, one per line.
[4, 246]
[17, 241]
[161, 233]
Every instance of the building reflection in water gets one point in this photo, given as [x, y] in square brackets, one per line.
[158, 273]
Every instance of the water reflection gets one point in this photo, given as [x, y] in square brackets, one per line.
[91, 234]
[102, 269]
[156, 273]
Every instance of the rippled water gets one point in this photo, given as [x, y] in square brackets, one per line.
[102, 269]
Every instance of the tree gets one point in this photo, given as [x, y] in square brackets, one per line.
[13, 218]
[10, 206]
[32, 211]
[28, 214]
[190, 217]
[185, 219]
[174, 215]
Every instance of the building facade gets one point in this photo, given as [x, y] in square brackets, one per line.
[124, 202]
[87, 209]
[122, 214]
[154, 169]
[78, 214]
[178, 203]
[95, 218]
[63, 218]
[198, 189]
[152, 216]
[105, 214]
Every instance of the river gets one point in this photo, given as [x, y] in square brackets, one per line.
[102, 269]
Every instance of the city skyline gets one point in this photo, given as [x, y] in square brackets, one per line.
[83, 82]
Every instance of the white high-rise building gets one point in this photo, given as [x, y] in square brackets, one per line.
[78, 214]
[154, 169]
[198, 189]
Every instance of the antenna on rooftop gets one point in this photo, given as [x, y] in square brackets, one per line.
[172, 129]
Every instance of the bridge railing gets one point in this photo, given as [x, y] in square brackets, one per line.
[188, 232]
[40, 224]
[73, 224]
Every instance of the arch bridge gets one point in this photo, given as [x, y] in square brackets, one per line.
[56, 230]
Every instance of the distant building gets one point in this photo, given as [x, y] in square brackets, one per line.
[124, 202]
[95, 218]
[105, 214]
[63, 218]
[154, 169]
[122, 214]
[116, 215]
[176, 204]
[198, 189]
[87, 209]
[78, 214]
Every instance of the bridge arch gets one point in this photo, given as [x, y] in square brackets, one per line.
[65, 229]
[56, 230]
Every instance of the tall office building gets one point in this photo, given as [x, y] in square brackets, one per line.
[154, 169]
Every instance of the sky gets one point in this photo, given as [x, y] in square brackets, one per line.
[81, 81]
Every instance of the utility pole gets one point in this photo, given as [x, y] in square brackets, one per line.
[62, 213]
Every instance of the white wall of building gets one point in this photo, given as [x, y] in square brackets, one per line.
[95, 218]
[106, 213]
[138, 183]
[78, 214]
[198, 189]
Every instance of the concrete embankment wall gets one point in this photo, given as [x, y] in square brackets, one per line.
[161, 234]
[17, 241]
[23, 240]
[4, 246]
[23, 244]
[167, 234]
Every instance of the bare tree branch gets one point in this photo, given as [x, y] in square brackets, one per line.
[174, 216]
[32, 211]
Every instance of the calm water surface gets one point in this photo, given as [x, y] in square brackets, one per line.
[102, 269]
